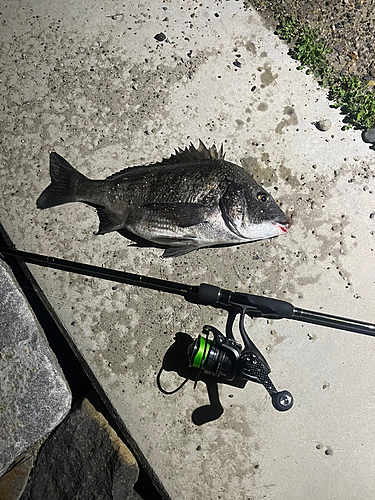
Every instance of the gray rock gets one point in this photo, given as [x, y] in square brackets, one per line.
[84, 459]
[13, 483]
[323, 125]
[369, 136]
[35, 397]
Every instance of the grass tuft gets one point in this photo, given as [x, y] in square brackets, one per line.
[355, 98]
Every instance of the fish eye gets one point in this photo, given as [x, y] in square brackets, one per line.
[263, 197]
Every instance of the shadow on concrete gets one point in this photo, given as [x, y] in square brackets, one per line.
[176, 359]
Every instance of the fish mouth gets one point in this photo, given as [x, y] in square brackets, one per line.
[283, 223]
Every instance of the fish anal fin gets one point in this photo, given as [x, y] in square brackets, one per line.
[108, 221]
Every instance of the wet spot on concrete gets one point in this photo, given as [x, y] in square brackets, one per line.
[265, 157]
[261, 169]
[275, 340]
[290, 120]
[287, 174]
[266, 76]
[251, 47]
[307, 280]
[263, 106]
[240, 123]
[251, 164]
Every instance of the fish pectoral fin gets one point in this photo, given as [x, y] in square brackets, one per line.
[181, 214]
[108, 221]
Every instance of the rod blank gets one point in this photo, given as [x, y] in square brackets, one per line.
[253, 305]
[331, 321]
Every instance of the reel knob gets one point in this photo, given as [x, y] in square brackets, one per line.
[282, 401]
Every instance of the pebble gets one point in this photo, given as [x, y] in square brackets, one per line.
[160, 37]
[323, 125]
[339, 49]
[369, 136]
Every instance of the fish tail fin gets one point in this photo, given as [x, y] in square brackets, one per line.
[65, 180]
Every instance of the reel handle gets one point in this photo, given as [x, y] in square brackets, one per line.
[253, 368]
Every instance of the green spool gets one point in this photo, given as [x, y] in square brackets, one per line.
[202, 353]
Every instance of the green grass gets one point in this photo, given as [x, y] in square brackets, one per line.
[354, 97]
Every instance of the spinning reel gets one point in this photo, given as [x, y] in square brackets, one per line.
[224, 357]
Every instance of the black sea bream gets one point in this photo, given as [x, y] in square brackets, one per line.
[192, 200]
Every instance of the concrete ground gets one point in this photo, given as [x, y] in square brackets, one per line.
[90, 81]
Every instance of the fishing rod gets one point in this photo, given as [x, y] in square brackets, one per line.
[222, 355]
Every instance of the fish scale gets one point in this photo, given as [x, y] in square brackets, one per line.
[193, 199]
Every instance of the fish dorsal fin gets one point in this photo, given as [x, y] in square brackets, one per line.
[186, 155]
[195, 154]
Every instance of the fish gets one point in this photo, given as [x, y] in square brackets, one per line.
[194, 199]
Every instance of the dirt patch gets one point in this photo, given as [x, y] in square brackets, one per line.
[347, 26]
